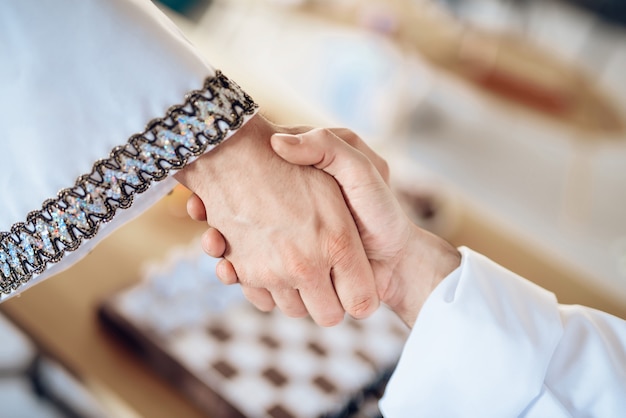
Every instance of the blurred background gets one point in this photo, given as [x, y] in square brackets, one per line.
[514, 107]
[503, 122]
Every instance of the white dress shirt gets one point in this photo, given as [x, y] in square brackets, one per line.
[488, 343]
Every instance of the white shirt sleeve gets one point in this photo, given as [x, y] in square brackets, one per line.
[489, 343]
[78, 79]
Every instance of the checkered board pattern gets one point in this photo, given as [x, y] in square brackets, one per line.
[233, 360]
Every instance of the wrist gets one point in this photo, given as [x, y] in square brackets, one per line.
[249, 144]
[426, 261]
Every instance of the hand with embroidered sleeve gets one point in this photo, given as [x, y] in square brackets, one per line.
[407, 262]
[287, 228]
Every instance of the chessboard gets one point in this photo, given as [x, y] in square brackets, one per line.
[232, 360]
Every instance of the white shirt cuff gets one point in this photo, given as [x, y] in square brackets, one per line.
[480, 347]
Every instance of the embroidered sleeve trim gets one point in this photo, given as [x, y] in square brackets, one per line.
[166, 144]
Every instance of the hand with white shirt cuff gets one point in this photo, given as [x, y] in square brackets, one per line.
[407, 262]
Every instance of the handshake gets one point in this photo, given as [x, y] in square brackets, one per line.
[304, 220]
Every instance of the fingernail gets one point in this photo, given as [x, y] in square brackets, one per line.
[289, 139]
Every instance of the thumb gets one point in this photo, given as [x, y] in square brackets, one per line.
[325, 150]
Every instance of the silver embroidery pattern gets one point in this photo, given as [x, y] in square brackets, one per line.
[77, 212]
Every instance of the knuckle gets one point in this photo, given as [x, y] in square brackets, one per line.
[300, 270]
[341, 246]
[325, 131]
[362, 308]
[348, 136]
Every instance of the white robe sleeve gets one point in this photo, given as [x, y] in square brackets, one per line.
[89, 134]
[489, 343]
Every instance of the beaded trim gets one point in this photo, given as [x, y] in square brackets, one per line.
[77, 212]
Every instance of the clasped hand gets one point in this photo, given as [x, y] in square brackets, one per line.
[313, 227]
